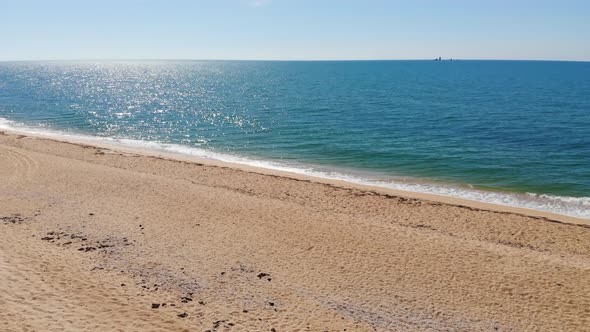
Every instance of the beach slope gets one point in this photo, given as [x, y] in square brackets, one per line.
[99, 239]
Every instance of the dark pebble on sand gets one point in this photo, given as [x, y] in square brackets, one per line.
[262, 275]
[183, 315]
[272, 304]
[87, 249]
[155, 305]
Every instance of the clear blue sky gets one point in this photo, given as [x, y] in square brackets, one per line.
[294, 29]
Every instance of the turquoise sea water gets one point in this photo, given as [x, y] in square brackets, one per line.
[508, 132]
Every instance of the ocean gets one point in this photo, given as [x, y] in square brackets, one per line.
[515, 133]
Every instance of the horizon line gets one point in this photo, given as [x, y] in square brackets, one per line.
[294, 60]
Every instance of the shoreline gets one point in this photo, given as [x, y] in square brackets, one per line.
[94, 238]
[451, 200]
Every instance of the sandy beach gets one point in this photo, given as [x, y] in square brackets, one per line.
[101, 239]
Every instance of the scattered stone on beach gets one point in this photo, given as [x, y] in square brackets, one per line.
[262, 275]
[102, 245]
[13, 219]
[86, 249]
[202, 302]
[183, 315]
[186, 299]
[217, 323]
[155, 305]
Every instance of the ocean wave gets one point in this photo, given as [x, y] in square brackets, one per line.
[570, 206]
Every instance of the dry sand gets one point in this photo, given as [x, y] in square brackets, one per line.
[93, 238]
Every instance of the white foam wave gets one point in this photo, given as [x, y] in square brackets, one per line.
[571, 206]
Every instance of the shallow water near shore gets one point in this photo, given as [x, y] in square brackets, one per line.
[504, 132]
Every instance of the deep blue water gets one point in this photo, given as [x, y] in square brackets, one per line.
[436, 126]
